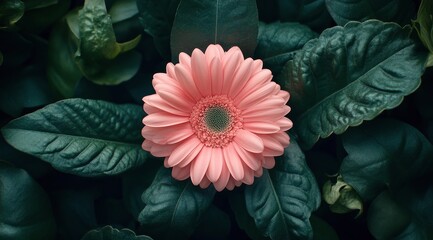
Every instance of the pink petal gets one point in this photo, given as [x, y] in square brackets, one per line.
[285, 95]
[200, 165]
[231, 184]
[185, 60]
[162, 119]
[272, 146]
[249, 176]
[256, 81]
[251, 160]
[156, 101]
[230, 67]
[204, 183]
[259, 172]
[257, 96]
[216, 76]
[271, 102]
[150, 109]
[163, 79]
[257, 66]
[261, 127]
[180, 173]
[285, 124]
[241, 77]
[213, 51]
[221, 183]
[200, 72]
[191, 156]
[269, 162]
[249, 141]
[186, 81]
[169, 68]
[283, 138]
[175, 97]
[215, 165]
[182, 151]
[233, 162]
[164, 150]
[273, 113]
[168, 135]
[147, 145]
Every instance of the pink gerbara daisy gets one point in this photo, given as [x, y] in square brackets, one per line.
[216, 118]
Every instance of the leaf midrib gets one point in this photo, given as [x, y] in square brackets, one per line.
[280, 208]
[71, 136]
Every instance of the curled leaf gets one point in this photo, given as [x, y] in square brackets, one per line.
[342, 197]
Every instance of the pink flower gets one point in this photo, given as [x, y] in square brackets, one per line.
[216, 118]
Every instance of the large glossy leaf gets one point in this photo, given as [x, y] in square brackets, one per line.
[25, 210]
[384, 154]
[173, 208]
[10, 12]
[277, 42]
[312, 13]
[228, 23]
[83, 137]
[344, 11]
[110, 233]
[62, 71]
[350, 74]
[157, 18]
[281, 201]
[99, 56]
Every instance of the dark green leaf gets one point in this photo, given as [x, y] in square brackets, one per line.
[35, 4]
[214, 224]
[322, 230]
[62, 71]
[51, 11]
[135, 182]
[25, 89]
[25, 210]
[343, 11]
[122, 10]
[228, 23]
[386, 219]
[312, 13]
[99, 56]
[83, 137]
[415, 231]
[173, 208]
[350, 74]
[424, 24]
[281, 201]
[277, 43]
[244, 220]
[10, 12]
[157, 18]
[384, 153]
[110, 233]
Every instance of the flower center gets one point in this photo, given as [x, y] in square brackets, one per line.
[215, 120]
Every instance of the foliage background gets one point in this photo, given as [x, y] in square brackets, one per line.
[74, 168]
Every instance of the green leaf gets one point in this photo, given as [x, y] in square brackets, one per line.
[214, 224]
[277, 43]
[227, 23]
[386, 219]
[343, 11]
[25, 210]
[99, 56]
[415, 231]
[35, 4]
[173, 208]
[157, 18]
[342, 197]
[82, 137]
[10, 12]
[122, 10]
[312, 13]
[110, 233]
[62, 71]
[281, 201]
[244, 220]
[424, 24]
[350, 74]
[382, 154]
[25, 89]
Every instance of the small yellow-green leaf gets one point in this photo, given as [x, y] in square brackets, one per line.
[341, 197]
[129, 45]
[424, 23]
